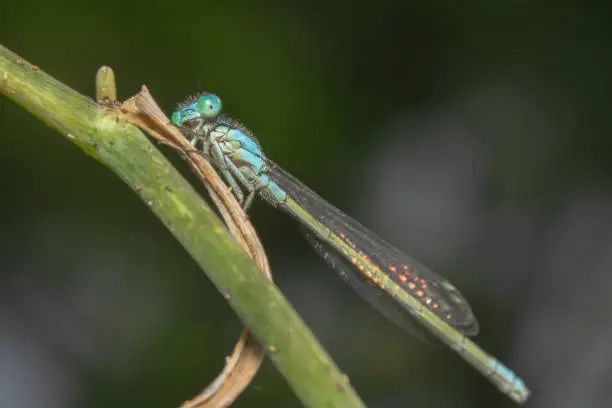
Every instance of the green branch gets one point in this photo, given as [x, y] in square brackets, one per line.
[125, 150]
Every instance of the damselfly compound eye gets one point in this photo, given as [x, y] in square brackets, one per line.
[209, 106]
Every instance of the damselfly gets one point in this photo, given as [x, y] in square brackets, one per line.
[403, 290]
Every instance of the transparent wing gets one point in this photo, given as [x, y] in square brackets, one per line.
[432, 291]
[379, 299]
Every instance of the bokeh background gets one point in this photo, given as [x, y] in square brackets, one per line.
[476, 137]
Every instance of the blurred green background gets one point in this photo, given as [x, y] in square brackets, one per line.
[476, 137]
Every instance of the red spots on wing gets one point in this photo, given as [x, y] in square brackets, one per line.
[417, 287]
[372, 278]
[377, 270]
[406, 269]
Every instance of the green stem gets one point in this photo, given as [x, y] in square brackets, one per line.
[125, 150]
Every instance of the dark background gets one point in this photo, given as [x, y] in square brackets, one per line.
[476, 137]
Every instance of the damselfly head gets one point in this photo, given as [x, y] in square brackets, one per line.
[197, 110]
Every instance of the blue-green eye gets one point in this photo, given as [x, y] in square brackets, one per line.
[209, 106]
